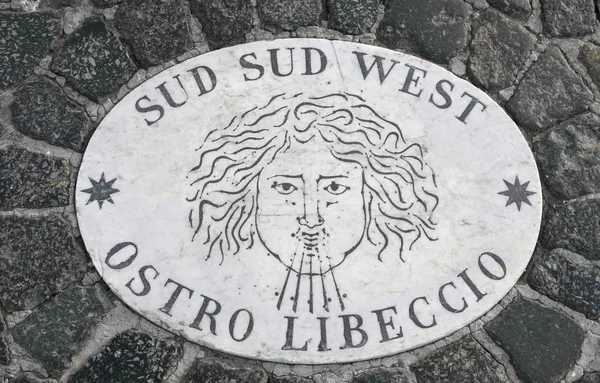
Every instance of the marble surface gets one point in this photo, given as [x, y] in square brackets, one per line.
[309, 201]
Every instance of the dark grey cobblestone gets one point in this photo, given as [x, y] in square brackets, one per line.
[589, 55]
[519, 9]
[463, 361]
[212, 370]
[147, 24]
[569, 157]
[106, 3]
[352, 16]
[289, 379]
[38, 258]
[56, 332]
[130, 357]
[574, 226]
[568, 18]
[499, 50]
[381, 375]
[561, 277]
[437, 29]
[224, 22]
[289, 15]
[25, 38]
[542, 343]
[4, 352]
[93, 60]
[42, 111]
[590, 378]
[30, 378]
[32, 180]
[550, 92]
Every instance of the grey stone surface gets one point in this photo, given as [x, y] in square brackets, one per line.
[568, 18]
[38, 258]
[550, 92]
[499, 50]
[32, 180]
[43, 112]
[569, 157]
[352, 16]
[30, 378]
[4, 352]
[542, 343]
[437, 29]
[224, 22]
[463, 361]
[289, 14]
[131, 357]
[93, 60]
[381, 375]
[590, 378]
[56, 332]
[213, 370]
[519, 9]
[574, 226]
[589, 55]
[147, 24]
[106, 3]
[25, 38]
[559, 276]
[289, 379]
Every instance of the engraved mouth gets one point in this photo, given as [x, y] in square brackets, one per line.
[310, 240]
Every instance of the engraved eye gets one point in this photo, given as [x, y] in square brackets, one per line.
[284, 188]
[335, 188]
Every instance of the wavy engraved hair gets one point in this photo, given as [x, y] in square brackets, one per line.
[399, 186]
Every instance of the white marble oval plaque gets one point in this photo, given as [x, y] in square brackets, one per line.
[309, 201]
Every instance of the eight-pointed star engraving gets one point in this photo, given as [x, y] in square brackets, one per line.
[101, 191]
[517, 193]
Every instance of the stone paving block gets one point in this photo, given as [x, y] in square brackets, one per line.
[42, 111]
[106, 3]
[147, 24]
[549, 92]
[224, 22]
[290, 14]
[289, 379]
[25, 38]
[93, 60]
[562, 278]
[589, 55]
[352, 16]
[381, 375]
[213, 370]
[32, 180]
[542, 343]
[574, 226]
[569, 157]
[131, 357]
[4, 352]
[463, 361]
[519, 9]
[438, 29]
[30, 378]
[499, 50]
[38, 258]
[56, 332]
[568, 18]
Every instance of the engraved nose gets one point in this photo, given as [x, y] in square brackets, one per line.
[311, 221]
[311, 217]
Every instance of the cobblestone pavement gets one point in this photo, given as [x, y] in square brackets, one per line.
[65, 63]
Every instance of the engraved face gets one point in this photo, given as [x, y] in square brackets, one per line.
[311, 211]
